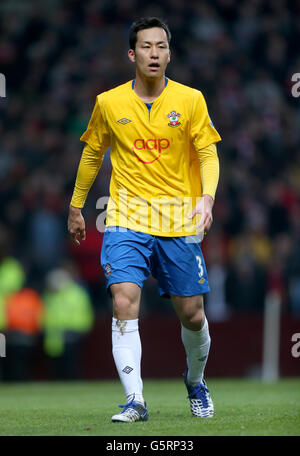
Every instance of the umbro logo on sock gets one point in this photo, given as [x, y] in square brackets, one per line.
[203, 359]
[127, 369]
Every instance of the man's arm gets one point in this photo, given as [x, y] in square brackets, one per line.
[88, 169]
[209, 169]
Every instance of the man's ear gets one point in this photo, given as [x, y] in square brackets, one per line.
[131, 55]
[169, 56]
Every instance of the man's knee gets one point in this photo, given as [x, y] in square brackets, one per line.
[122, 305]
[126, 298]
[193, 320]
[190, 311]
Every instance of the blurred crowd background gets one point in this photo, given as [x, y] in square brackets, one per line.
[57, 55]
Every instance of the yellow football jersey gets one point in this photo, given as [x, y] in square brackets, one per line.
[154, 154]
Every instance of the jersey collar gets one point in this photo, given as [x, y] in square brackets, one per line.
[156, 101]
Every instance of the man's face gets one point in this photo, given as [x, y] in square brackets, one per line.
[152, 53]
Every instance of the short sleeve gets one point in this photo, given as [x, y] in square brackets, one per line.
[203, 132]
[96, 134]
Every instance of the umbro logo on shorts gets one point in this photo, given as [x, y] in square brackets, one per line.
[124, 121]
[127, 369]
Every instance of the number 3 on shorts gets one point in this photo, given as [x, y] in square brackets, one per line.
[200, 266]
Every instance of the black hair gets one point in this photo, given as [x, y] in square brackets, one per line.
[146, 23]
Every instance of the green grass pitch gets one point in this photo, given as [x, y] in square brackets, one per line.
[242, 408]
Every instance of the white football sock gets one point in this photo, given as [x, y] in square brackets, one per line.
[197, 345]
[127, 352]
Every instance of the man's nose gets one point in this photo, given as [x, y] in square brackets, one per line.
[154, 53]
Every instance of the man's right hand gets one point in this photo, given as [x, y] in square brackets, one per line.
[76, 225]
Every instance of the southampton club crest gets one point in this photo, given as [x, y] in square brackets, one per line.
[107, 269]
[173, 117]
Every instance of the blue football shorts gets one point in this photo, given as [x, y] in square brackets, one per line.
[176, 262]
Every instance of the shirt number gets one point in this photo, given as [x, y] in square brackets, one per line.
[200, 266]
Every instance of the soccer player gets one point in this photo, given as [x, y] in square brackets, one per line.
[165, 172]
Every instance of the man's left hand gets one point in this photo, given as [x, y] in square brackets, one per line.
[204, 207]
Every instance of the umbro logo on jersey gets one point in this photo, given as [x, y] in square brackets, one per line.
[124, 121]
